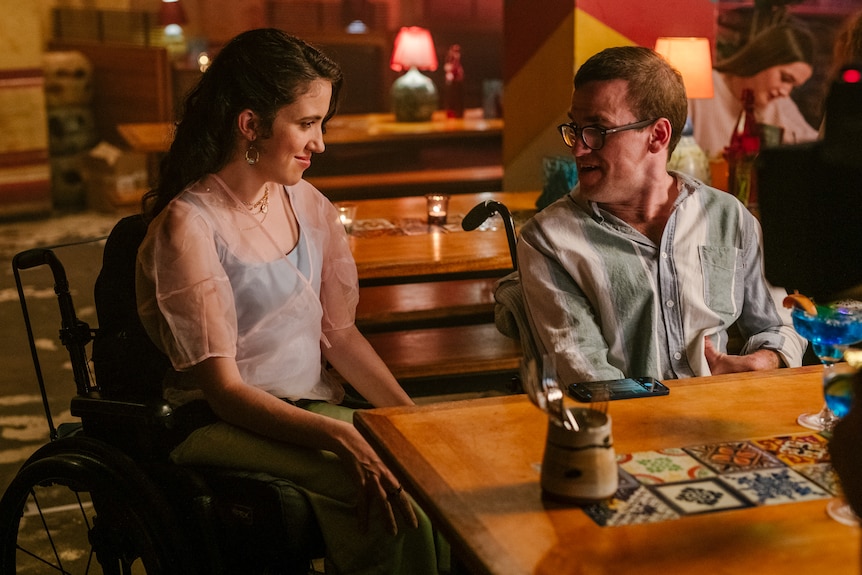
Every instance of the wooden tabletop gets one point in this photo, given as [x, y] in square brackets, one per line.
[436, 254]
[149, 137]
[364, 128]
[472, 465]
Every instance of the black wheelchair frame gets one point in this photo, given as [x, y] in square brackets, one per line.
[125, 507]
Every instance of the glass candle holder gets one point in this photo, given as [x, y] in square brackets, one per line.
[347, 215]
[438, 206]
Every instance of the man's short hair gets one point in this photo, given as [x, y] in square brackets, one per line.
[655, 88]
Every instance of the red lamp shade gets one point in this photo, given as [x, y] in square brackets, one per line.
[172, 12]
[691, 56]
[413, 47]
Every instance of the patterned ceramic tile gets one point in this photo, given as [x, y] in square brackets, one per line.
[796, 449]
[774, 486]
[670, 483]
[701, 496]
[627, 481]
[663, 466]
[630, 508]
[733, 456]
[822, 474]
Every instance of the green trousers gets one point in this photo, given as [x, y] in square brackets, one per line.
[324, 480]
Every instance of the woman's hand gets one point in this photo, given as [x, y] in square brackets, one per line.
[258, 411]
[377, 486]
[720, 363]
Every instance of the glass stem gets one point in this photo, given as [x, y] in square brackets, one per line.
[827, 418]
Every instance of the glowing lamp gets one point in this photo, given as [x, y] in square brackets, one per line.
[692, 58]
[414, 96]
[172, 17]
[172, 14]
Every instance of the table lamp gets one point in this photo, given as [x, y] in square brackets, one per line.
[691, 56]
[172, 17]
[414, 96]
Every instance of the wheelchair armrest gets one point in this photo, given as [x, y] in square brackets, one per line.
[156, 412]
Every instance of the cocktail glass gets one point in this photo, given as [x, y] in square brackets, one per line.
[831, 331]
[838, 389]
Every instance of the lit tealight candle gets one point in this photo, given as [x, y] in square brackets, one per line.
[347, 213]
[438, 204]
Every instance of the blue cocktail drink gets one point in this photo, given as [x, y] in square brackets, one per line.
[830, 332]
[838, 389]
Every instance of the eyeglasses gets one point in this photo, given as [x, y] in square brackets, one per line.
[593, 136]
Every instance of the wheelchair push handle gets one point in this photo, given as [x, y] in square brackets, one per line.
[481, 212]
[74, 334]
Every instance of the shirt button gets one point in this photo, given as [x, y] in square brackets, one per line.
[664, 255]
[669, 303]
[677, 356]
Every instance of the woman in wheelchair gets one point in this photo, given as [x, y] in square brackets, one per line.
[246, 281]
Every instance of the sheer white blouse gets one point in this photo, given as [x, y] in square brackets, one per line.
[211, 282]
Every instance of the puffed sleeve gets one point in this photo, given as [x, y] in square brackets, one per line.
[339, 288]
[185, 299]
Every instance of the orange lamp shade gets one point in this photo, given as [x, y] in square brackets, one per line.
[413, 48]
[691, 56]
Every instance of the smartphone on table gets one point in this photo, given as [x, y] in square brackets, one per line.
[617, 389]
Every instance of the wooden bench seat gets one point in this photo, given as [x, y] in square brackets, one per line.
[449, 360]
[462, 180]
[425, 304]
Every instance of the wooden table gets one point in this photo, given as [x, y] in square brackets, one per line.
[372, 155]
[472, 466]
[344, 130]
[439, 254]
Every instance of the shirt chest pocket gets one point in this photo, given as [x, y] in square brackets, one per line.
[719, 265]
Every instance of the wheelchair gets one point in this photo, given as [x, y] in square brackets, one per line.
[102, 496]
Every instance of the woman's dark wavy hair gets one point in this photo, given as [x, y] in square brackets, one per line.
[774, 46]
[262, 70]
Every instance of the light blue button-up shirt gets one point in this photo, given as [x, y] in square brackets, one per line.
[610, 303]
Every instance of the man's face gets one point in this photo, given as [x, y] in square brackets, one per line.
[610, 174]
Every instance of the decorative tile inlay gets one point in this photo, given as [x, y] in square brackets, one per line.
[797, 449]
[733, 456]
[700, 496]
[663, 466]
[773, 486]
[671, 483]
[631, 508]
[822, 474]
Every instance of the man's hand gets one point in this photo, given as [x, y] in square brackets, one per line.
[724, 363]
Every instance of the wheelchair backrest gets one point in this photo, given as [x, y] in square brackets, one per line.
[128, 366]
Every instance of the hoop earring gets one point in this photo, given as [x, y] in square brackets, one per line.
[252, 155]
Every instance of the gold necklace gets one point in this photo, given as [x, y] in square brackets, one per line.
[262, 205]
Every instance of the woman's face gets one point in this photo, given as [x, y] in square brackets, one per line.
[297, 134]
[777, 82]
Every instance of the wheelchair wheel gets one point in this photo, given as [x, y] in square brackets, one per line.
[79, 505]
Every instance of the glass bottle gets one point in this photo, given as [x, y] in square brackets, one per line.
[741, 153]
[454, 90]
